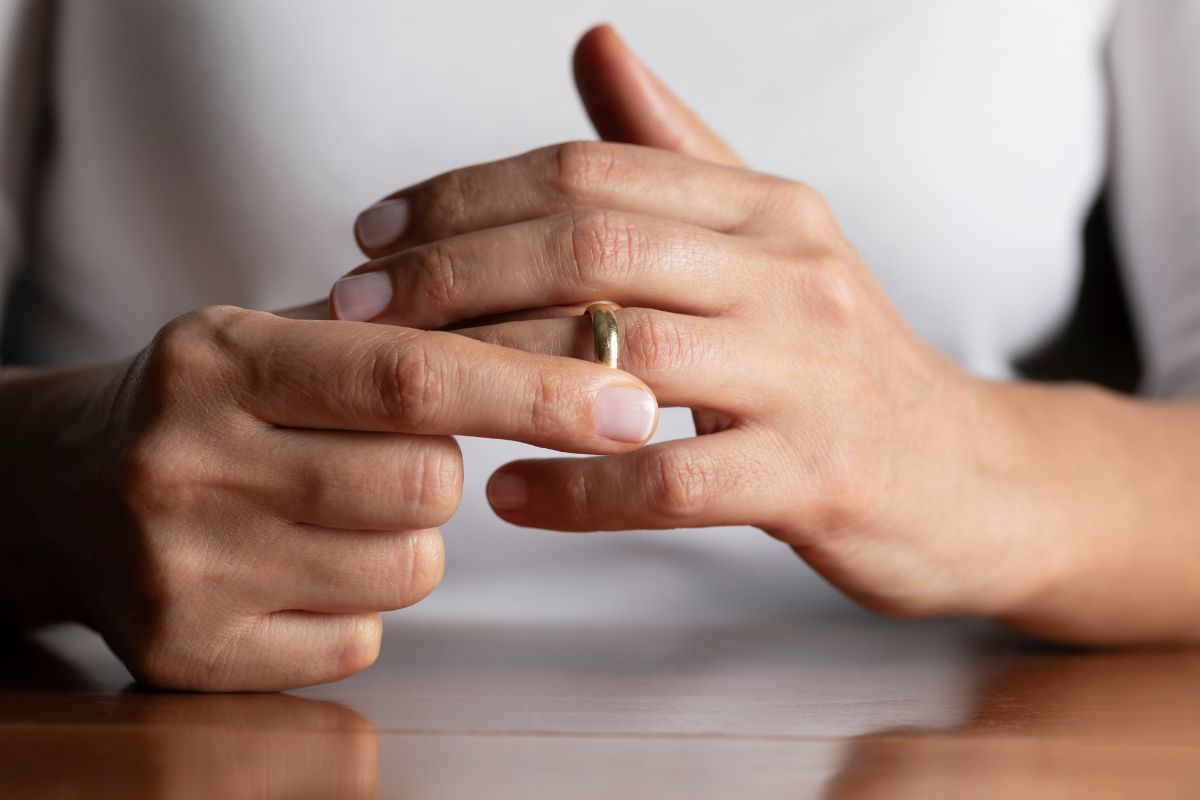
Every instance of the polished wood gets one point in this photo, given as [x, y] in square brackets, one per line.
[847, 707]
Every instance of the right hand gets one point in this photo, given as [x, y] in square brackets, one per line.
[257, 489]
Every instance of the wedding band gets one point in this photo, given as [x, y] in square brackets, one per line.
[604, 329]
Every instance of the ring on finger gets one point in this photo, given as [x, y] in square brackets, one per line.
[604, 330]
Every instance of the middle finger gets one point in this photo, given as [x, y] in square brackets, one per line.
[568, 258]
[309, 568]
[358, 480]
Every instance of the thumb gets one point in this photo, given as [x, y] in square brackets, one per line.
[627, 103]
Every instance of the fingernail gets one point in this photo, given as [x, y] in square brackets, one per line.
[507, 491]
[382, 224]
[624, 413]
[362, 297]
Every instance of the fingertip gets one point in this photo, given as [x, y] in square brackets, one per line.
[628, 103]
[627, 414]
[362, 296]
[594, 37]
[602, 77]
[598, 54]
[378, 229]
[507, 490]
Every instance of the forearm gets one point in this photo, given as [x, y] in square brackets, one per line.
[1107, 489]
[43, 414]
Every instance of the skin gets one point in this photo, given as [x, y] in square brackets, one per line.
[1067, 512]
[232, 508]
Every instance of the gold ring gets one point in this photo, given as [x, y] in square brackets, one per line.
[604, 329]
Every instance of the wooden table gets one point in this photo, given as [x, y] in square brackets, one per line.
[833, 707]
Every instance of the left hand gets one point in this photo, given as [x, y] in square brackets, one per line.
[823, 419]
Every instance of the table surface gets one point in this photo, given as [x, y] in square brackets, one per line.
[828, 707]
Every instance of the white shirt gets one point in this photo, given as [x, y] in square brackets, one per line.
[217, 151]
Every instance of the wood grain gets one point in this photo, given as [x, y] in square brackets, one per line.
[835, 708]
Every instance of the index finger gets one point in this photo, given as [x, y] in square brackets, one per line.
[551, 180]
[360, 376]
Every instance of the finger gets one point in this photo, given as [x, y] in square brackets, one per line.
[721, 479]
[685, 360]
[577, 257]
[559, 178]
[345, 376]
[337, 571]
[544, 312]
[289, 649]
[360, 481]
[627, 103]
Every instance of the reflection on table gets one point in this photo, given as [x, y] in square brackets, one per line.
[839, 707]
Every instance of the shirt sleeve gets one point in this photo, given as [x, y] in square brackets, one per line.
[1155, 68]
[24, 29]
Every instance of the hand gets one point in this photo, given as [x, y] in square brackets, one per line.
[233, 507]
[824, 420]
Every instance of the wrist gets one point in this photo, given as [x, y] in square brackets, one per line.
[1040, 505]
[1104, 488]
[994, 501]
[49, 425]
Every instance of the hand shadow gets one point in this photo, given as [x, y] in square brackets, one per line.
[62, 737]
[1047, 722]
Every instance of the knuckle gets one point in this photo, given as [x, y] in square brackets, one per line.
[189, 344]
[358, 646]
[602, 247]
[801, 204]
[553, 405]
[817, 209]
[802, 198]
[653, 341]
[435, 481]
[413, 568]
[575, 493]
[410, 383]
[681, 486]
[831, 293]
[447, 201]
[154, 476]
[581, 169]
[212, 318]
[546, 395]
[439, 274]
[196, 352]
[773, 196]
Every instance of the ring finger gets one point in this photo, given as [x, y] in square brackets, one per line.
[337, 571]
[685, 360]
